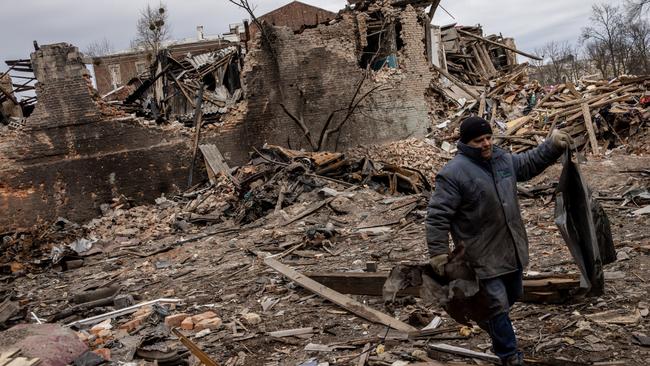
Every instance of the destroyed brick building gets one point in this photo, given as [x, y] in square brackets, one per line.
[75, 153]
[263, 203]
[62, 136]
[115, 70]
[312, 81]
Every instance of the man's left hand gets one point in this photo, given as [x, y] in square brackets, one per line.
[561, 139]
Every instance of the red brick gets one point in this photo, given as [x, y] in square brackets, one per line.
[203, 316]
[212, 323]
[187, 324]
[175, 320]
[104, 352]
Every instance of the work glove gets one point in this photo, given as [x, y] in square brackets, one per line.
[438, 262]
[561, 139]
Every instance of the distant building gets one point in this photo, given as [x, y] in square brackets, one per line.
[117, 69]
[295, 15]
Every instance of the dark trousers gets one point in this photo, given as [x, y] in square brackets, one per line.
[502, 291]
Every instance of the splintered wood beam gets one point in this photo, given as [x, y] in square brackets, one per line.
[441, 347]
[549, 95]
[458, 83]
[372, 283]
[590, 129]
[343, 301]
[500, 45]
[516, 124]
[434, 6]
[215, 161]
[308, 211]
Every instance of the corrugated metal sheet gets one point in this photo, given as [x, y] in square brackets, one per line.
[210, 57]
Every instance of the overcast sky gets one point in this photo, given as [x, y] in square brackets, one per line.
[80, 22]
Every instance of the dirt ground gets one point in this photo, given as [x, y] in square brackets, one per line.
[223, 273]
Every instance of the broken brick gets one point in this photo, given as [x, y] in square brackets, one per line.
[207, 315]
[187, 324]
[175, 320]
[131, 325]
[104, 352]
[212, 323]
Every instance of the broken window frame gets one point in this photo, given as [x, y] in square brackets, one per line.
[141, 68]
[382, 44]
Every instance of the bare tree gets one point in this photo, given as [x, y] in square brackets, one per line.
[597, 54]
[553, 53]
[637, 7]
[152, 28]
[607, 24]
[561, 62]
[638, 34]
[99, 48]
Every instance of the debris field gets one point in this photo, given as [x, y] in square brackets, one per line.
[221, 209]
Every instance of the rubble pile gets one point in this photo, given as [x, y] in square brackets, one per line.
[176, 89]
[474, 59]
[319, 258]
[423, 154]
[599, 115]
[144, 282]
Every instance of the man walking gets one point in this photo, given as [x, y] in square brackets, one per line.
[475, 200]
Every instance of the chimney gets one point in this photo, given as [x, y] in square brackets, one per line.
[199, 32]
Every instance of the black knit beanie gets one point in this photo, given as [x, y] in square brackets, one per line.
[472, 128]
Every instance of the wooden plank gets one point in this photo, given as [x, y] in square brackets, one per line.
[5, 356]
[371, 284]
[196, 351]
[500, 45]
[344, 301]
[572, 90]
[595, 104]
[590, 129]
[308, 211]
[516, 124]
[481, 106]
[441, 347]
[8, 309]
[487, 61]
[291, 332]
[23, 361]
[456, 82]
[365, 354]
[215, 161]
[550, 94]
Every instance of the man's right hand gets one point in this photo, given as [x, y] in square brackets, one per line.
[561, 139]
[438, 262]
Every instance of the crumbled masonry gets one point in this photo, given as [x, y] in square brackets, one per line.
[263, 202]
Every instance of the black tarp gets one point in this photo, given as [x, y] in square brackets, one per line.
[584, 226]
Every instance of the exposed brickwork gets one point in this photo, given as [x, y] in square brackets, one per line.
[72, 159]
[295, 15]
[63, 94]
[322, 63]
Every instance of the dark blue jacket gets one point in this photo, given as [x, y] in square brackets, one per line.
[476, 200]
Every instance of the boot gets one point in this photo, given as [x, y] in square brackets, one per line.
[515, 360]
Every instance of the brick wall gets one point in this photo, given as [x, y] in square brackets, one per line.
[322, 63]
[294, 15]
[62, 78]
[71, 159]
